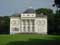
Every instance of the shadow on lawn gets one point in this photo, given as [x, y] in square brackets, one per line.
[35, 42]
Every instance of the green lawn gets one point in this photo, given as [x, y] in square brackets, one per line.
[29, 39]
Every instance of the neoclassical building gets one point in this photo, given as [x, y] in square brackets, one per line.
[28, 22]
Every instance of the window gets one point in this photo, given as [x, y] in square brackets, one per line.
[43, 22]
[39, 22]
[27, 15]
[15, 29]
[15, 22]
[23, 15]
[32, 15]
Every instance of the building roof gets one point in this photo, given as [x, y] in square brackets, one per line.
[29, 10]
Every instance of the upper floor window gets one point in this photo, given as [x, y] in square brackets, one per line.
[15, 22]
[27, 15]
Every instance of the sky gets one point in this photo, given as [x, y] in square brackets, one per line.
[9, 7]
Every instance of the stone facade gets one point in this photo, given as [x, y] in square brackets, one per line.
[28, 23]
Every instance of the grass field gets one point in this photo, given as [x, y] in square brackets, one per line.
[29, 39]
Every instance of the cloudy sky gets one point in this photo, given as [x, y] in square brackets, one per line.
[9, 7]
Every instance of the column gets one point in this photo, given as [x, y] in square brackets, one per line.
[22, 26]
[30, 25]
[33, 25]
[26, 26]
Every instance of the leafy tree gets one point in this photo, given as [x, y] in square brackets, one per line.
[57, 22]
[4, 24]
[56, 3]
[44, 10]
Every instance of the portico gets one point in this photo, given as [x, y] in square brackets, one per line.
[27, 26]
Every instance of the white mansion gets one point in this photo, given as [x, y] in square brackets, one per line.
[28, 22]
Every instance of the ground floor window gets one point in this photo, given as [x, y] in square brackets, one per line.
[15, 29]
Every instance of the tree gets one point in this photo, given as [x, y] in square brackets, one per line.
[4, 24]
[56, 3]
[57, 22]
[44, 10]
[57, 16]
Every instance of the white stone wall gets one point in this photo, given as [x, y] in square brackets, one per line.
[14, 25]
[41, 25]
